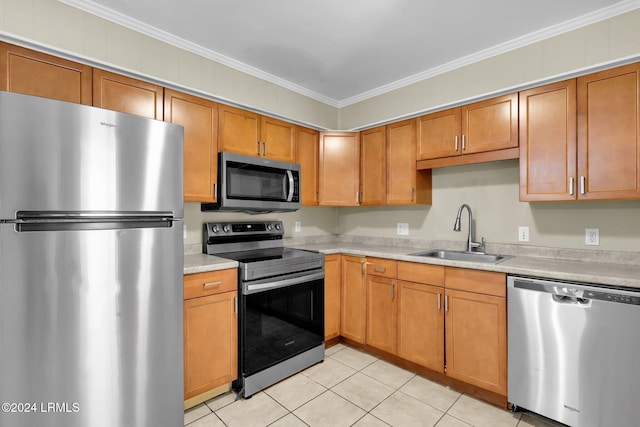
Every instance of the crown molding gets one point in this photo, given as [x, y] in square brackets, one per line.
[93, 8]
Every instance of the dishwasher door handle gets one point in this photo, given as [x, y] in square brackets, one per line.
[564, 299]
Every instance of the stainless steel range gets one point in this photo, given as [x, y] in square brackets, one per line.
[281, 304]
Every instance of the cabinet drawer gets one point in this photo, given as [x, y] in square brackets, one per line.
[381, 267]
[210, 283]
[482, 282]
[421, 273]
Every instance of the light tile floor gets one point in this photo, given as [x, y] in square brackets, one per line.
[353, 388]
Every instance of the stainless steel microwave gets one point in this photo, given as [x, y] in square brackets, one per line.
[255, 185]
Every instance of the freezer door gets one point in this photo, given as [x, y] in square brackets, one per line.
[91, 327]
[58, 156]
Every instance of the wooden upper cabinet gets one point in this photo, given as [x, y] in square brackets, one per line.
[405, 184]
[439, 134]
[490, 125]
[307, 156]
[373, 176]
[244, 132]
[239, 131]
[339, 169]
[609, 134]
[199, 117]
[478, 132]
[278, 139]
[127, 95]
[33, 73]
[548, 142]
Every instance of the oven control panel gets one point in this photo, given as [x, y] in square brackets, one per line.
[243, 228]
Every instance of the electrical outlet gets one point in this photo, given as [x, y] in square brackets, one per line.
[403, 229]
[523, 234]
[592, 236]
[297, 227]
[184, 231]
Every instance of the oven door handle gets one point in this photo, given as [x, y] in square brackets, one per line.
[262, 287]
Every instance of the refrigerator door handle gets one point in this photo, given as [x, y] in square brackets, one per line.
[57, 221]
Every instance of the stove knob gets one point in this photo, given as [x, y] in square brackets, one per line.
[278, 226]
[225, 228]
[215, 228]
[269, 227]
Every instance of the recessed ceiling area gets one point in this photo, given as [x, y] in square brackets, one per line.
[344, 51]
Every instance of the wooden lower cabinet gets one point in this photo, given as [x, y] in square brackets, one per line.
[354, 300]
[210, 332]
[476, 329]
[332, 296]
[381, 313]
[421, 324]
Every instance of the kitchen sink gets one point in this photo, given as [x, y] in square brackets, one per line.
[463, 256]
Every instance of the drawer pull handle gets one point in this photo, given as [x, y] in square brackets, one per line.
[211, 285]
[380, 269]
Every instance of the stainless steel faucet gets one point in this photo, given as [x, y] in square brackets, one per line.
[457, 227]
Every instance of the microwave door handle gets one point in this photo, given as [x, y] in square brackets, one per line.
[290, 195]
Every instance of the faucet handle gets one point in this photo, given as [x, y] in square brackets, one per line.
[481, 247]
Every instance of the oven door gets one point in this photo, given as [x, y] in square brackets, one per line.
[280, 318]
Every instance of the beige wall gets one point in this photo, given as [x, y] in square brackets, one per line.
[604, 42]
[50, 23]
[491, 189]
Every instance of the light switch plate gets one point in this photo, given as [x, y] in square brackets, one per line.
[592, 236]
[403, 229]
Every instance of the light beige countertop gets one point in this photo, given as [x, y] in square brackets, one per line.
[200, 263]
[589, 271]
[600, 267]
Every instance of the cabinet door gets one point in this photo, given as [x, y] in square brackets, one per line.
[609, 134]
[373, 176]
[210, 343]
[490, 125]
[33, 73]
[332, 281]
[278, 139]
[353, 301]
[381, 313]
[421, 324]
[439, 134]
[200, 120]
[548, 142]
[307, 157]
[339, 168]
[120, 93]
[239, 131]
[476, 339]
[401, 163]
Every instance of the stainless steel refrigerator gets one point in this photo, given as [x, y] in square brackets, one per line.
[91, 266]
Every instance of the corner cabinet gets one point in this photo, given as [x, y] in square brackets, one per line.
[339, 169]
[199, 117]
[33, 73]
[478, 132]
[245, 132]
[373, 175]
[127, 95]
[210, 334]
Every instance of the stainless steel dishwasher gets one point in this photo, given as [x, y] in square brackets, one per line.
[574, 351]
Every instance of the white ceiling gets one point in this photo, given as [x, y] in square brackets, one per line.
[344, 51]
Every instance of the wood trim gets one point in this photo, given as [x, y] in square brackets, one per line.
[467, 159]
